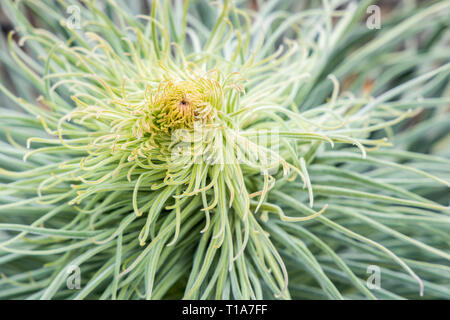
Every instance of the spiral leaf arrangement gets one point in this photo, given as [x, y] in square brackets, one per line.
[172, 157]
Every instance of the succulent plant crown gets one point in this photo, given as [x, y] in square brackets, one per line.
[158, 145]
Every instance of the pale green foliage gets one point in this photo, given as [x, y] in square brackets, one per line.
[302, 216]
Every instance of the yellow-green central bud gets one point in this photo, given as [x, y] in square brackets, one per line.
[178, 105]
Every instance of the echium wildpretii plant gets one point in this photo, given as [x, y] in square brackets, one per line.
[187, 149]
